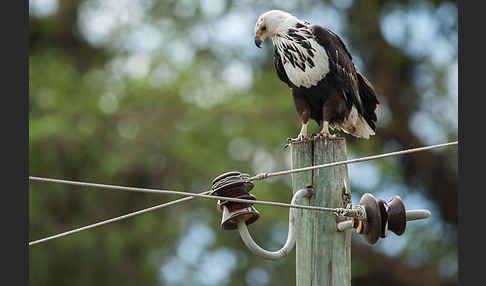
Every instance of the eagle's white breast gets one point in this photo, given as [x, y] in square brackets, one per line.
[302, 72]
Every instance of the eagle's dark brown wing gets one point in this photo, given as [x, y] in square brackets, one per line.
[357, 89]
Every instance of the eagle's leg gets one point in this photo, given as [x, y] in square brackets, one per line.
[325, 124]
[303, 110]
[303, 131]
[325, 131]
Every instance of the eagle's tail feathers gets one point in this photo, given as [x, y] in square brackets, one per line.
[369, 101]
[356, 125]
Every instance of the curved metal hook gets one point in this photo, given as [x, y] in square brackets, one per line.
[289, 244]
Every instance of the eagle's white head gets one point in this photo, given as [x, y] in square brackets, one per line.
[271, 23]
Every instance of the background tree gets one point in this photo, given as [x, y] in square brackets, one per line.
[169, 94]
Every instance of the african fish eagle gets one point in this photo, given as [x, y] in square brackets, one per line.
[326, 86]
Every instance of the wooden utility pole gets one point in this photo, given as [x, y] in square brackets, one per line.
[323, 254]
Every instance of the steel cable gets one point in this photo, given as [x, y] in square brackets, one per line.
[190, 196]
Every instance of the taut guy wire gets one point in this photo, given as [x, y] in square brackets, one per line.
[190, 196]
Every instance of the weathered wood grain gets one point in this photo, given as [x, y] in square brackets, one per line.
[323, 254]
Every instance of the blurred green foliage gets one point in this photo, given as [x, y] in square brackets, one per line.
[170, 94]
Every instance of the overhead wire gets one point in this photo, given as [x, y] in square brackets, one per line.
[190, 196]
[111, 220]
[204, 195]
[262, 176]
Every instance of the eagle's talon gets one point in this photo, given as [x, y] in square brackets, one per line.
[325, 135]
[299, 138]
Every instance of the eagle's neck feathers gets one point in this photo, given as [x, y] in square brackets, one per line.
[304, 60]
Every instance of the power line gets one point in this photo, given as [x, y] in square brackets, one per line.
[262, 176]
[189, 197]
[205, 194]
[167, 192]
[112, 220]
[202, 195]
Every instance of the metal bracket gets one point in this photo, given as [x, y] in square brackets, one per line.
[289, 244]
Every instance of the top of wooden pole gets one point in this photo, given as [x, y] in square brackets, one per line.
[323, 254]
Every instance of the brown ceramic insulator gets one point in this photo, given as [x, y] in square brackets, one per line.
[232, 190]
[384, 217]
[242, 196]
[232, 213]
[225, 175]
[231, 184]
[245, 196]
[223, 179]
[234, 185]
[397, 217]
[373, 218]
